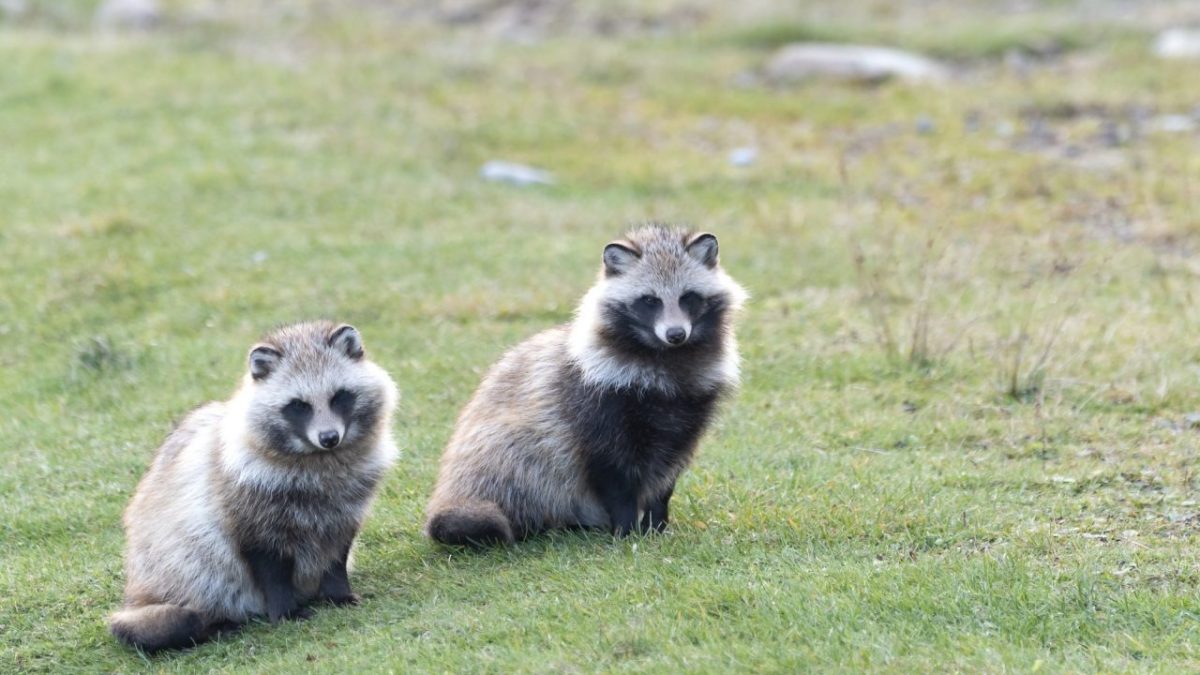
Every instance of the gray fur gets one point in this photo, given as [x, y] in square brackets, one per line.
[512, 465]
[217, 482]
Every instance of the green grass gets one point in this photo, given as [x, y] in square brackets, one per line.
[1012, 489]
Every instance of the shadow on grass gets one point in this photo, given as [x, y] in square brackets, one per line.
[534, 547]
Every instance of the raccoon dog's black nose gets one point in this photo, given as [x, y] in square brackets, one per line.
[676, 335]
[328, 439]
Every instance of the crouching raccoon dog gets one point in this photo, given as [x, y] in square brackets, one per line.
[251, 505]
[590, 424]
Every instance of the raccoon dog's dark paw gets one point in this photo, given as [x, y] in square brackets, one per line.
[343, 600]
[295, 614]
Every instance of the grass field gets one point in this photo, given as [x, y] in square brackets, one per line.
[964, 439]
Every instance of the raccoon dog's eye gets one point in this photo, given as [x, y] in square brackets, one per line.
[341, 398]
[649, 302]
[297, 407]
[689, 298]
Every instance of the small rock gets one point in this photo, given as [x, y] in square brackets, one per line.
[13, 9]
[925, 126]
[259, 257]
[971, 121]
[1178, 43]
[1114, 134]
[743, 156]
[1172, 124]
[1192, 420]
[516, 174]
[851, 63]
[1163, 423]
[746, 79]
[128, 14]
[1101, 161]
[1018, 62]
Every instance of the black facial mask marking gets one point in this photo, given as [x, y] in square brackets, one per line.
[646, 309]
[692, 304]
[707, 314]
[298, 414]
[342, 404]
[631, 326]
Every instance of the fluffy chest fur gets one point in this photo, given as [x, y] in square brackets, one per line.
[296, 508]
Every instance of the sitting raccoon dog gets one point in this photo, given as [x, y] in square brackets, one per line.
[589, 424]
[251, 505]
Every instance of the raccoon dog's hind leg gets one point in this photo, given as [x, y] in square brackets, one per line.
[470, 523]
[152, 628]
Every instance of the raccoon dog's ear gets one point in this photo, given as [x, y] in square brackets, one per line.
[263, 360]
[619, 256]
[346, 339]
[703, 247]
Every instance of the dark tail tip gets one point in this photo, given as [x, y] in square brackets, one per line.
[473, 524]
[153, 628]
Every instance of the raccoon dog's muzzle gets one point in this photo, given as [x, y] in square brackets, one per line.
[673, 328]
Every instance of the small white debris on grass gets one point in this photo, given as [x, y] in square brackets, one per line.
[743, 156]
[13, 9]
[516, 174]
[851, 63]
[1178, 43]
[1172, 124]
[128, 14]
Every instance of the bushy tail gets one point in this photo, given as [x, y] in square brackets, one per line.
[154, 627]
[472, 523]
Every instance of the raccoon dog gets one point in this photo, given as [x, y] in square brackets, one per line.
[251, 505]
[589, 424]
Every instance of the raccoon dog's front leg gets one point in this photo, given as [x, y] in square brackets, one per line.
[655, 516]
[617, 495]
[335, 582]
[622, 511]
[272, 572]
